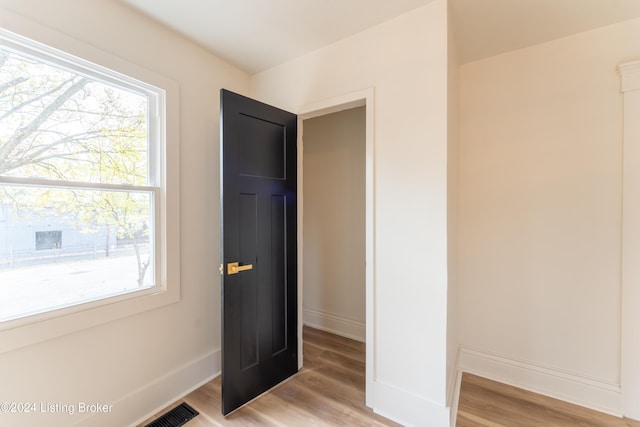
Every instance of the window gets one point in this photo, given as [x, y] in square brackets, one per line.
[83, 184]
[48, 240]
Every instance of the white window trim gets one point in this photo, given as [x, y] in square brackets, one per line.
[34, 329]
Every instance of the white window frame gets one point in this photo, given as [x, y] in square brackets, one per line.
[33, 38]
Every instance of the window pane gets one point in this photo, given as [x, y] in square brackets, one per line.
[61, 247]
[48, 240]
[59, 124]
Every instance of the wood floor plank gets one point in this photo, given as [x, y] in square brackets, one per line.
[330, 357]
[325, 410]
[345, 347]
[327, 391]
[466, 419]
[488, 403]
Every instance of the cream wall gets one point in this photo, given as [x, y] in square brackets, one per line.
[405, 60]
[140, 363]
[334, 223]
[540, 215]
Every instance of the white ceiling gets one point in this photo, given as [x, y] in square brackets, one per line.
[258, 34]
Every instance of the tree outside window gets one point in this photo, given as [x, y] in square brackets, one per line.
[75, 163]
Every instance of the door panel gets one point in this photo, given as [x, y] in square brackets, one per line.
[259, 229]
[248, 216]
[279, 280]
[264, 157]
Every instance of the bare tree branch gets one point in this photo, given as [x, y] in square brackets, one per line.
[31, 100]
[24, 132]
[3, 58]
[12, 83]
[38, 154]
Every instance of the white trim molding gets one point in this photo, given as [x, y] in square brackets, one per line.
[364, 97]
[572, 387]
[158, 394]
[415, 410]
[334, 324]
[630, 76]
[454, 399]
[630, 300]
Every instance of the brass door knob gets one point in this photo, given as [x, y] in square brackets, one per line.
[235, 267]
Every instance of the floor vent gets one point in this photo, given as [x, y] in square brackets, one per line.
[176, 417]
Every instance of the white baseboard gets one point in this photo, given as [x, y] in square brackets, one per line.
[593, 393]
[453, 383]
[455, 398]
[408, 408]
[153, 397]
[335, 324]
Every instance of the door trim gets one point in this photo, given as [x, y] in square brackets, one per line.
[360, 98]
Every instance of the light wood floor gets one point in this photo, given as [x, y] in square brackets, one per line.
[329, 391]
[485, 403]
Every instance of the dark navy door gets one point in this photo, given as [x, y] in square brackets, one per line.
[259, 235]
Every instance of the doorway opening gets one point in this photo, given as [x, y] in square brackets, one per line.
[334, 223]
[335, 220]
